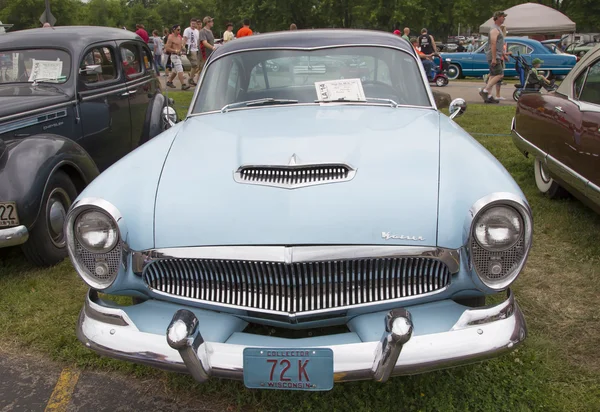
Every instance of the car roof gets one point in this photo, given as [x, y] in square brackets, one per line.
[310, 39]
[71, 37]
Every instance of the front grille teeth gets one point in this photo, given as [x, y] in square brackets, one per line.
[292, 177]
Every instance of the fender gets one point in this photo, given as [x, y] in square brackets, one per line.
[153, 124]
[27, 164]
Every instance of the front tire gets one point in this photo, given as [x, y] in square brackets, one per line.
[454, 71]
[441, 81]
[545, 183]
[47, 243]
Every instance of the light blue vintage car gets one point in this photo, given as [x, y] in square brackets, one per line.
[475, 64]
[302, 228]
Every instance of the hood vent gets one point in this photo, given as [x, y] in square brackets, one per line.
[294, 176]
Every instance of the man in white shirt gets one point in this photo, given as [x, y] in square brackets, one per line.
[191, 38]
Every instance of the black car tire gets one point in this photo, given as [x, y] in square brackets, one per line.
[47, 245]
[545, 183]
[454, 71]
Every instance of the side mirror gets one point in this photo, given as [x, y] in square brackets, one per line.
[93, 69]
[457, 107]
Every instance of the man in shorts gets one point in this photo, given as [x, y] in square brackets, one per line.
[495, 57]
[191, 40]
[173, 48]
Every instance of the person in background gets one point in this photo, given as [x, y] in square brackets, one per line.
[191, 39]
[174, 47]
[397, 32]
[293, 26]
[158, 51]
[207, 39]
[406, 35]
[461, 47]
[504, 60]
[140, 31]
[47, 25]
[537, 77]
[245, 30]
[471, 46]
[166, 58]
[495, 54]
[426, 42]
[426, 59]
[228, 35]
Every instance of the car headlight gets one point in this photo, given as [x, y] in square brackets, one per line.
[94, 241]
[96, 231]
[498, 228]
[500, 235]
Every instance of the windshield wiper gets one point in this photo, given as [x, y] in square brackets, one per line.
[258, 102]
[368, 99]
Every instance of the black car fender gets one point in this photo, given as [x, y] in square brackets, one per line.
[153, 124]
[27, 164]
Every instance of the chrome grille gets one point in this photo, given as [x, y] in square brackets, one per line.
[297, 287]
[510, 259]
[294, 176]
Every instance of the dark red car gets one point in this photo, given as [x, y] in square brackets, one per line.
[562, 131]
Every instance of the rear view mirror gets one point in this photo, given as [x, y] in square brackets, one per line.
[457, 108]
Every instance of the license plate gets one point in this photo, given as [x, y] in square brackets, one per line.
[289, 369]
[8, 214]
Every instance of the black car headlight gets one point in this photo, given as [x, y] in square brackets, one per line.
[500, 235]
[94, 241]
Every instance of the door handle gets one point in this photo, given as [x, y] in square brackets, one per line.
[125, 94]
[559, 109]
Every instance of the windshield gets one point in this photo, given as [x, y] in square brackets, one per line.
[292, 76]
[24, 66]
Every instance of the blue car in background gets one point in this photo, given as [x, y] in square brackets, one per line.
[475, 64]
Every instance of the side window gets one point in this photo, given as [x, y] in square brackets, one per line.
[233, 84]
[98, 56]
[578, 84]
[130, 58]
[517, 48]
[591, 89]
[148, 59]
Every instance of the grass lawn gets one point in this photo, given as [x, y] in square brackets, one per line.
[558, 367]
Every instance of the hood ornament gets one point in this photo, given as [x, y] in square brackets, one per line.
[293, 160]
[388, 236]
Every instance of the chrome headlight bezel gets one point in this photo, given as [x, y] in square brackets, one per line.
[112, 260]
[516, 203]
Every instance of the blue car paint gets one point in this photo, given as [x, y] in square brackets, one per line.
[475, 64]
[468, 172]
[154, 317]
[395, 152]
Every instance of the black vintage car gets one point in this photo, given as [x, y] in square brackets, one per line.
[73, 101]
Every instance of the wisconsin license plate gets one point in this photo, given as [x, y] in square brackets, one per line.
[8, 214]
[288, 369]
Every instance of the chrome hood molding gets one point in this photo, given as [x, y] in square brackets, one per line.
[394, 151]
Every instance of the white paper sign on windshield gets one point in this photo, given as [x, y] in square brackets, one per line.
[45, 69]
[341, 89]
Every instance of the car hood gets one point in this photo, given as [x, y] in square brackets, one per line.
[18, 99]
[395, 190]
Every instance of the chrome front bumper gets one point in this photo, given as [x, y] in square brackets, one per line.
[13, 236]
[479, 334]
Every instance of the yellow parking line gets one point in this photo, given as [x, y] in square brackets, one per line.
[61, 396]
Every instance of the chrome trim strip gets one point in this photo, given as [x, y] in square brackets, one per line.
[85, 96]
[593, 193]
[139, 82]
[211, 61]
[478, 335]
[496, 199]
[293, 254]
[566, 174]
[40, 110]
[76, 209]
[13, 236]
[32, 121]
